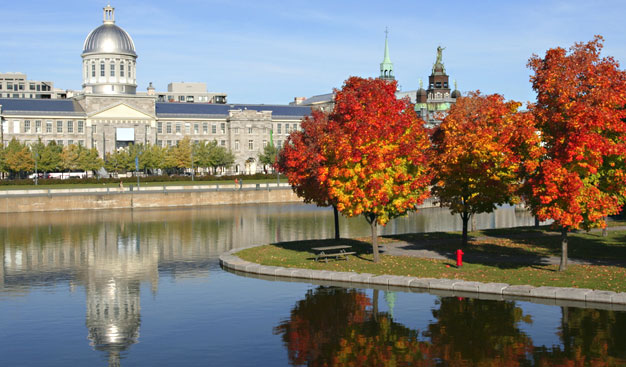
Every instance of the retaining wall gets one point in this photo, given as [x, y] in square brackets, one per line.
[21, 201]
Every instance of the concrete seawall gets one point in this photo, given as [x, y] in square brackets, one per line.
[22, 201]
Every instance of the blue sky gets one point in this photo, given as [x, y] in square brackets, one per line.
[272, 51]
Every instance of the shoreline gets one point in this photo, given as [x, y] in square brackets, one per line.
[576, 297]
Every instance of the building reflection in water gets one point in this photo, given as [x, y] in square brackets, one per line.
[111, 253]
[112, 278]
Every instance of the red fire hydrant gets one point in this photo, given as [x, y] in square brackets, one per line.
[459, 258]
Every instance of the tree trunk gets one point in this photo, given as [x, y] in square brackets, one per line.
[336, 213]
[375, 304]
[605, 230]
[563, 265]
[536, 222]
[374, 239]
[465, 216]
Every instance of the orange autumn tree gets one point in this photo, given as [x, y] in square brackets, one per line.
[301, 158]
[481, 150]
[580, 114]
[375, 154]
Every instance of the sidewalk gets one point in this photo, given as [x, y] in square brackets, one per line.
[401, 248]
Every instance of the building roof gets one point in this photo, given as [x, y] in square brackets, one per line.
[43, 106]
[165, 109]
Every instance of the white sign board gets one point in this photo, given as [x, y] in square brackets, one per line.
[125, 134]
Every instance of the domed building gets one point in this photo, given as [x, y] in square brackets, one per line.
[108, 114]
[109, 59]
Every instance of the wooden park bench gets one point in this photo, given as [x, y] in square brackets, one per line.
[338, 252]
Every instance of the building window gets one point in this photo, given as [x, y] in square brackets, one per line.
[178, 128]
[237, 145]
[101, 68]
[60, 143]
[70, 127]
[81, 126]
[205, 128]
[122, 69]
[187, 128]
[31, 86]
[223, 143]
[70, 142]
[37, 126]
[223, 127]
[129, 70]
[159, 127]
[169, 143]
[93, 129]
[26, 126]
[294, 127]
[236, 130]
[249, 130]
[48, 126]
[181, 98]
[81, 143]
[278, 128]
[168, 128]
[93, 70]
[196, 128]
[279, 144]
[59, 126]
[250, 144]
[112, 68]
[213, 129]
[159, 143]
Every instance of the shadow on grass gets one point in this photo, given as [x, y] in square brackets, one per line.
[360, 247]
[519, 247]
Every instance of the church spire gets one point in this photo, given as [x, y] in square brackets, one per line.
[386, 67]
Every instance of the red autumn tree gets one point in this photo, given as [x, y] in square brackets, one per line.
[301, 159]
[375, 154]
[580, 114]
[480, 152]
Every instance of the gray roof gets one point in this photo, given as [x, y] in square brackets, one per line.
[110, 39]
[42, 106]
[164, 109]
[320, 98]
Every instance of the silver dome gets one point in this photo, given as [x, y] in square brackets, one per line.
[111, 39]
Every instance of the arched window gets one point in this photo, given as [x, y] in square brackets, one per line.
[101, 68]
[112, 69]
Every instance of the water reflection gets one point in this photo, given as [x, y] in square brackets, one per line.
[336, 326]
[111, 254]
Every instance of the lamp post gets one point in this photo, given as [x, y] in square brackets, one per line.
[192, 170]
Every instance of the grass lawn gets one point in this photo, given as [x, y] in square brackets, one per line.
[520, 242]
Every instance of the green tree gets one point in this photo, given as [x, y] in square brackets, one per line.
[269, 155]
[116, 161]
[18, 158]
[70, 157]
[89, 160]
[50, 157]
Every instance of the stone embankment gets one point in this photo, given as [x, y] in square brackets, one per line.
[575, 297]
[133, 197]
[21, 201]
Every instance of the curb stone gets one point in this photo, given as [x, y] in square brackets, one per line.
[442, 287]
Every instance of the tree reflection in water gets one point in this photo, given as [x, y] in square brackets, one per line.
[343, 327]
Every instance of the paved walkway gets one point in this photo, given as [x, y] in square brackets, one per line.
[401, 248]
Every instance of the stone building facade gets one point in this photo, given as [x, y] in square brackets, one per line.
[109, 115]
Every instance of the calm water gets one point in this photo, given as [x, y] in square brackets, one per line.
[145, 288]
